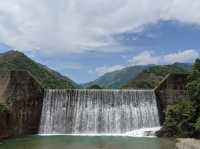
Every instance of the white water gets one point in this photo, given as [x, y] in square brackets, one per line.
[145, 132]
[99, 112]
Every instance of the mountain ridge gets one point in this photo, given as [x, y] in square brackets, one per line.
[49, 78]
[116, 78]
[151, 77]
[119, 78]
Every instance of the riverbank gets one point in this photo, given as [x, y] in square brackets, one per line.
[188, 143]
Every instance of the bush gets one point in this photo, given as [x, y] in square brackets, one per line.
[180, 119]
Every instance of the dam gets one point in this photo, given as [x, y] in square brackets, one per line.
[98, 112]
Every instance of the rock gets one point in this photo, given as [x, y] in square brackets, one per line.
[188, 143]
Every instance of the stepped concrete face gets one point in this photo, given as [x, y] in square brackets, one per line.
[171, 90]
[188, 144]
[22, 95]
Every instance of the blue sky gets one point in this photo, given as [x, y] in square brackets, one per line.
[86, 40]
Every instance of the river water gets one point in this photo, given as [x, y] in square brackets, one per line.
[83, 142]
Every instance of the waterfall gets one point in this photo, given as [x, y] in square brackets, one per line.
[98, 111]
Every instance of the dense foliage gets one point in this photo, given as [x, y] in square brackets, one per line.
[179, 120]
[14, 60]
[151, 77]
[183, 118]
[194, 82]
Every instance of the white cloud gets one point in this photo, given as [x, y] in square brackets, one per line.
[182, 56]
[81, 25]
[150, 57]
[144, 58]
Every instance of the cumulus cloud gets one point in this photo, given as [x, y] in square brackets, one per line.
[144, 58]
[182, 56]
[82, 25]
[150, 57]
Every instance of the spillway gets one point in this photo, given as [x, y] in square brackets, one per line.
[84, 111]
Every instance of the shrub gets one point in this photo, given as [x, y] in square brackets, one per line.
[180, 118]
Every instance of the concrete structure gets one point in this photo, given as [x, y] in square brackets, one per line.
[170, 90]
[22, 95]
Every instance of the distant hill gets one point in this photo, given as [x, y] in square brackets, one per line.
[116, 79]
[134, 76]
[94, 87]
[150, 78]
[14, 60]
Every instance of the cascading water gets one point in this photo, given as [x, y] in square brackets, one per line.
[98, 112]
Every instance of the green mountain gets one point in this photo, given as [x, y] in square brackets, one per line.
[151, 77]
[116, 79]
[138, 76]
[14, 60]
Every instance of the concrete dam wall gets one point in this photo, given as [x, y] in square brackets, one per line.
[21, 95]
[30, 111]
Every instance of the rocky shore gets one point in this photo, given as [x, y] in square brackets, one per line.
[188, 144]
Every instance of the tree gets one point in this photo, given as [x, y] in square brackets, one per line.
[194, 82]
[180, 119]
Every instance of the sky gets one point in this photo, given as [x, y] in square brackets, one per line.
[84, 39]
